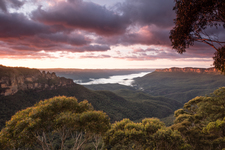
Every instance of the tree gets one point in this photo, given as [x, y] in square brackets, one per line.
[201, 121]
[61, 117]
[167, 139]
[191, 24]
[217, 130]
[151, 133]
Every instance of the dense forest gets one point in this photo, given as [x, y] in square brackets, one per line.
[115, 106]
[65, 123]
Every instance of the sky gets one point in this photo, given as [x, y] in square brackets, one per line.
[93, 34]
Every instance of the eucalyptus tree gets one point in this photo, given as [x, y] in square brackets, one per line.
[201, 121]
[59, 117]
[192, 23]
[149, 134]
[168, 139]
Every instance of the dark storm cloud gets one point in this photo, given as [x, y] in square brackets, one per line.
[19, 33]
[16, 25]
[77, 14]
[15, 3]
[52, 43]
[93, 48]
[80, 26]
[5, 4]
[146, 36]
[51, 29]
[87, 16]
[147, 12]
[86, 48]
[72, 39]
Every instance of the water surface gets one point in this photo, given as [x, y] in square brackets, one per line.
[120, 79]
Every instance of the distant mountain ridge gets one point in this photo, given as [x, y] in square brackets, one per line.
[86, 75]
[13, 79]
[181, 84]
[189, 69]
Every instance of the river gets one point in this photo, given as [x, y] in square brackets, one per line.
[120, 79]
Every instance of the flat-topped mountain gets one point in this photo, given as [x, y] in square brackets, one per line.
[181, 84]
[189, 69]
[13, 79]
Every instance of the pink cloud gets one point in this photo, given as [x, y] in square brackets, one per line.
[81, 26]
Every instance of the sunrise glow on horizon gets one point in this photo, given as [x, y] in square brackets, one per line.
[101, 64]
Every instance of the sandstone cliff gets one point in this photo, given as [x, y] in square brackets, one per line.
[189, 69]
[13, 79]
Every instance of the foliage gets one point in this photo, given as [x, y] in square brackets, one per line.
[60, 117]
[149, 134]
[115, 106]
[168, 120]
[201, 121]
[219, 59]
[191, 23]
[109, 87]
[148, 105]
[159, 102]
[180, 86]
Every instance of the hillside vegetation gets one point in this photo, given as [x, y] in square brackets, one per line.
[115, 106]
[109, 87]
[168, 87]
[181, 86]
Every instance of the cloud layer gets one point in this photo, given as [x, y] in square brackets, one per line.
[81, 26]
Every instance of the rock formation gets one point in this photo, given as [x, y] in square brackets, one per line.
[189, 69]
[14, 79]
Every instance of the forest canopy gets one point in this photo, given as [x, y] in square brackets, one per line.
[63, 123]
[61, 118]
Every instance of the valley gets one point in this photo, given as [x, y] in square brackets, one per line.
[180, 84]
[156, 98]
[86, 75]
[157, 94]
[116, 106]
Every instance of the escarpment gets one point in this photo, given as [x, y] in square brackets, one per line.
[13, 79]
[190, 69]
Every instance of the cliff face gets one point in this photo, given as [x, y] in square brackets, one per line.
[14, 79]
[189, 69]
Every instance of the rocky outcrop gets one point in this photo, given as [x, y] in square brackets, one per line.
[189, 69]
[14, 79]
